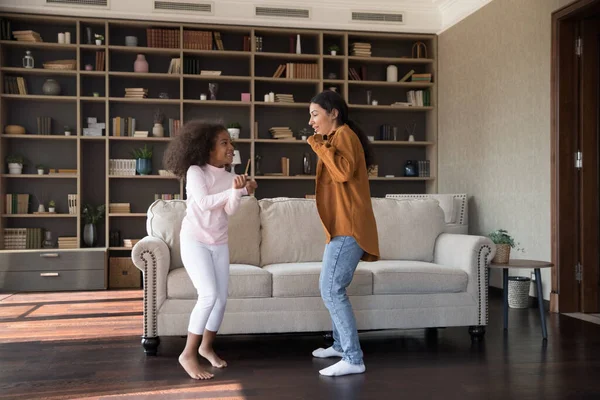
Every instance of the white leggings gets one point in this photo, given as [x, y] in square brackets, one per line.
[208, 268]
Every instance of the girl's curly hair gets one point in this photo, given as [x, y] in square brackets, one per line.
[191, 146]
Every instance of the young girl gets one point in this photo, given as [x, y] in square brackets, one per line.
[200, 153]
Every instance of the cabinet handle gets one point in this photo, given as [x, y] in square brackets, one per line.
[49, 255]
[45, 274]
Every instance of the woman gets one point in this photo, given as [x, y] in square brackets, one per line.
[201, 154]
[344, 203]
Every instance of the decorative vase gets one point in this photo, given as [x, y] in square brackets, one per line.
[48, 243]
[28, 61]
[51, 88]
[88, 33]
[306, 164]
[131, 41]
[140, 64]
[158, 130]
[143, 166]
[90, 236]
[298, 46]
[502, 254]
[41, 208]
[15, 168]
[234, 133]
[392, 73]
[409, 169]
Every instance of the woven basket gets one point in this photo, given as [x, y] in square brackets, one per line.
[502, 254]
[518, 291]
[61, 64]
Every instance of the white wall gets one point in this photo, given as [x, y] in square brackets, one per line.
[494, 121]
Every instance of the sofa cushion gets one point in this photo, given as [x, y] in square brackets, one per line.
[244, 233]
[164, 222]
[245, 281]
[404, 277]
[291, 231]
[302, 280]
[407, 229]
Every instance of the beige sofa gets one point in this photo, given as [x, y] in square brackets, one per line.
[425, 278]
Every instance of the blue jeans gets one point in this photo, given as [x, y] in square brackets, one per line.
[340, 260]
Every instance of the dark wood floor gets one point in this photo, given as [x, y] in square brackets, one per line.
[49, 348]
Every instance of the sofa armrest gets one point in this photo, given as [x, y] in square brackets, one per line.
[151, 255]
[472, 254]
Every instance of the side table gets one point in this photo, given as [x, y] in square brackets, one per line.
[524, 264]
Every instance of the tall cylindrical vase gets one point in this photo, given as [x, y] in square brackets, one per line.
[90, 236]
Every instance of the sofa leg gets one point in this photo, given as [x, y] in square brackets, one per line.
[477, 332]
[150, 345]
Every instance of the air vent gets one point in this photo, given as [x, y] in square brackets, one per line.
[204, 7]
[397, 18]
[81, 3]
[280, 12]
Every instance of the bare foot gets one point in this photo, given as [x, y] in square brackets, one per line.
[212, 357]
[192, 367]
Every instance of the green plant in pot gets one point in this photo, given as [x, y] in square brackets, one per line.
[91, 216]
[143, 160]
[504, 242]
[51, 206]
[333, 49]
[40, 169]
[15, 164]
[234, 130]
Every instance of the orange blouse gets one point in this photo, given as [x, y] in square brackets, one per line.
[342, 192]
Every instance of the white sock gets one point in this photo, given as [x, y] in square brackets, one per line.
[328, 352]
[343, 368]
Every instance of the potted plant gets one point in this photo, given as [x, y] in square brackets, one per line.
[40, 169]
[333, 49]
[143, 160]
[158, 130]
[15, 164]
[99, 38]
[67, 130]
[91, 216]
[234, 130]
[51, 206]
[504, 242]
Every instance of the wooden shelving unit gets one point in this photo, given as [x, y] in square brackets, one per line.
[247, 70]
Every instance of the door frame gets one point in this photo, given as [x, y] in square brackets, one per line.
[564, 296]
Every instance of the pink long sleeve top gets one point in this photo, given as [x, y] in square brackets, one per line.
[210, 201]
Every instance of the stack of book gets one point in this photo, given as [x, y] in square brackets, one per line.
[67, 242]
[119, 208]
[361, 49]
[27, 36]
[282, 132]
[129, 243]
[421, 78]
[136, 93]
[284, 98]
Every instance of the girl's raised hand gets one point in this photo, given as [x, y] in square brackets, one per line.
[239, 182]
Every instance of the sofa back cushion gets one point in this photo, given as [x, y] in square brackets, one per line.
[291, 231]
[164, 222]
[244, 233]
[408, 229]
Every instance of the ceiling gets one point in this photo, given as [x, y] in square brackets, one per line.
[419, 16]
